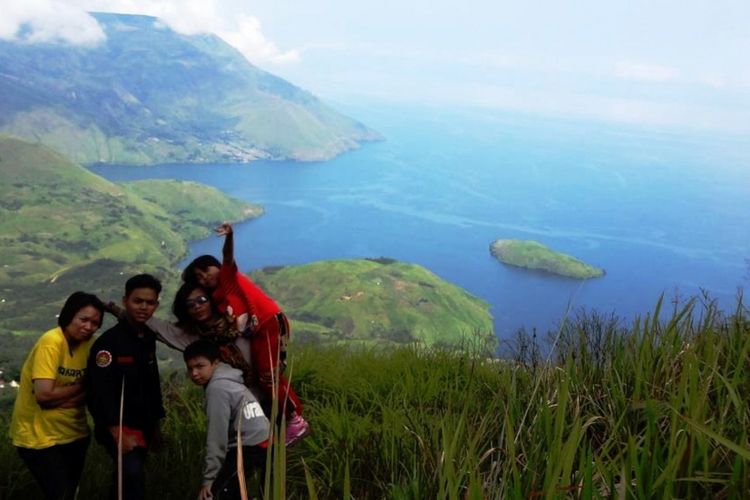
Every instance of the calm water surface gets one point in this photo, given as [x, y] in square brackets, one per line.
[662, 212]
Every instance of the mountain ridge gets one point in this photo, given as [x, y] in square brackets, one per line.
[150, 95]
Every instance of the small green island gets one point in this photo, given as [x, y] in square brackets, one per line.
[529, 254]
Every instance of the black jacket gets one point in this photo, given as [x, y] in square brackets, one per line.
[118, 355]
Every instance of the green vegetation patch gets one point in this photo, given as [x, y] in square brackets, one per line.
[376, 302]
[529, 254]
[63, 228]
[192, 205]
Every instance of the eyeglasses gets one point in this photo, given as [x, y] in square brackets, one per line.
[198, 301]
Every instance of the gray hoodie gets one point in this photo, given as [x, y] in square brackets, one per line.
[229, 404]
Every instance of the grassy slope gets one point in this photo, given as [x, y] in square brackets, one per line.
[658, 410]
[64, 228]
[376, 301]
[180, 199]
[533, 255]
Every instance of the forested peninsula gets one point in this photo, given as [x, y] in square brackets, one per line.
[64, 228]
[530, 254]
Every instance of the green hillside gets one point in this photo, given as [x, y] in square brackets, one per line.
[150, 95]
[379, 301]
[529, 254]
[64, 228]
[181, 199]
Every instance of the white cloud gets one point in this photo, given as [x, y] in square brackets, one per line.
[645, 72]
[69, 21]
[188, 17]
[248, 38]
[36, 21]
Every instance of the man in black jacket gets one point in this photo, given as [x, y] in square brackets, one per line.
[123, 376]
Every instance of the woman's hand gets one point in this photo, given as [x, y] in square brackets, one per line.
[50, 395]
[115, 310]
[224, 230]
[205, 493]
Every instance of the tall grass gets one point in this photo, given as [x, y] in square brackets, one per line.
[659, 409]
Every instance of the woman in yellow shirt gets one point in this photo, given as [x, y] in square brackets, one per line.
[49, 425]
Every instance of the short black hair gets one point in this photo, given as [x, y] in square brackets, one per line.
[76, 302]
[201, 348]
[142, 281]
[203, 262]
[180, 309]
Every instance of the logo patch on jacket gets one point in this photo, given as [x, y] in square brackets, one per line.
[103, 359]
[252, 410]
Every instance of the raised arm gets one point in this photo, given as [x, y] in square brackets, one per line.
[227, 251]
[170, 334]
[229, 275]
[166, 332]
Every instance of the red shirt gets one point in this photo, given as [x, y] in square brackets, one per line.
[237, 290]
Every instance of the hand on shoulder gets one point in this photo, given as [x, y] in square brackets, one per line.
[114, 309]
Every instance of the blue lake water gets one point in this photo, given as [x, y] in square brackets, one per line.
[661, 211]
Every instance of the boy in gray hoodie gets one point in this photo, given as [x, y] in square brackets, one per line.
[229, 405]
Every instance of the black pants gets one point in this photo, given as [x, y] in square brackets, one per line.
[227, 485]
[58, 468]
[133, 474]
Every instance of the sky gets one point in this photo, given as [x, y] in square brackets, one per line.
[673, 63]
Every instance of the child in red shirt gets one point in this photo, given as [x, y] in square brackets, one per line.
[256, 316]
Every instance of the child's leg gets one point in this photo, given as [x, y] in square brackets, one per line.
[265, 344]
[133, 474]
[226, 486]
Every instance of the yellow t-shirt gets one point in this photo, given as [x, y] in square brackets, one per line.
[34, 427]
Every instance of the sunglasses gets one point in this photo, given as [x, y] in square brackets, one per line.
[198, 301]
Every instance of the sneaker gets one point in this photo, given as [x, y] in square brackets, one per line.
[296, 428]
